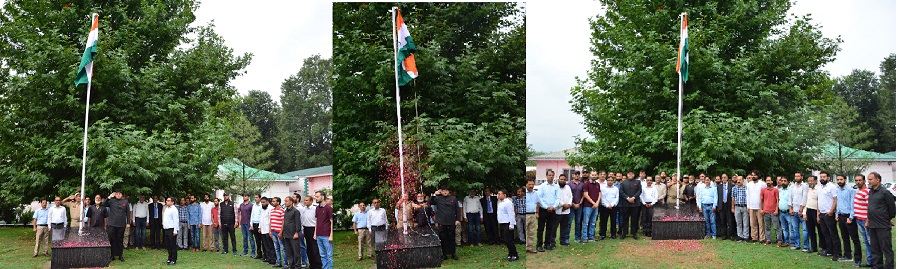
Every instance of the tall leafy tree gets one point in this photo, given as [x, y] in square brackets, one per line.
[848, 135]
[886, 114]
[753, 73]
[160, 94]
[305, 122]
[463, 117]
[860, 91]
[261, 111]
[245, 172]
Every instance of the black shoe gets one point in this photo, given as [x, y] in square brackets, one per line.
[635, 237]
[602, 237]
[540, 249]
[122, 259]
[565, 244]
[172, 263]
[612, 237]
[513, 258]
[454, 257]
[276, 265]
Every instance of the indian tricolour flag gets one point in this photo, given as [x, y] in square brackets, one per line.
[406, 58]
[683, 55]
[86, 68]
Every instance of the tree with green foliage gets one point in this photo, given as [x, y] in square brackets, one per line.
[305, 138]
[859, 91]
[886, 114]
[849, 135]
[246, 172]
[160, 95]
[463, 117]
[755, 75]
[261, 111]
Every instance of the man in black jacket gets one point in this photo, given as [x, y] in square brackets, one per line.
[880, 212]
[290, 233]
[118, 213]
[726, 223]
[227, 218]
[490, 218]
[630, 189]
[446, 219]
[155, 215]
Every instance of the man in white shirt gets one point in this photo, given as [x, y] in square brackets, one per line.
[564, 214]
[264, 231]
[473, 216]
[648, 197]
[506, 218]
[755, 214]
[57, 217]
[207, 206]
[170, 229]
[377, 222]
[255, 217]
[827, 199]
[608, 209]
[141, 212]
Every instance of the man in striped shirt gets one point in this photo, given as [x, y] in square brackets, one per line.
[277, 222]
[860, 213]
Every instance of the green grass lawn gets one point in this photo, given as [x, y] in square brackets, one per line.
[487, 256]
[709, 253]
[18, 246]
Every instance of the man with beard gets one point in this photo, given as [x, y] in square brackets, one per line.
[549, 202]
[117, 222]
[324, 227]
[207, 207]
[565, 213]
[769, 200]
[265, 231]
[307, 213]
[630, 190]
[755, 214]
[799, 193]
[860, 214]
[828, 198]
[446, 219]
[576, 209]
[290, 234]
[423, 213]
[845, 217]
[608, 208]
[228, 219]
[592, 198]
[785, 213]
[195, 220]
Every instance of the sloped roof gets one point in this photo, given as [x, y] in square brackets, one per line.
[322, 170]
[236, 165]
[558, 155]
[852, 153]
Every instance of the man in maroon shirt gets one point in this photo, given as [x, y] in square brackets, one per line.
[592, 198]
[245, 210]
[324, 216]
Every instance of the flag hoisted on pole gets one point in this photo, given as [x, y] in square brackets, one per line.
[682, 72]
[85, 74]
[403, 47]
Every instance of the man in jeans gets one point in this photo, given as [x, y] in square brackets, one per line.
[845, 219]
[798, 192]
[707, 198]
[473, 216]
[195, 220]
[277, 223]
[769, 201]
[860, 215]
[141, 212]
[592, 198]
[245, 212]
[576, 209]
[324, 227]
[785, 214]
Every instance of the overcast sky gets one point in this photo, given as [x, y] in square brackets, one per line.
[866, 27]
[280, 35]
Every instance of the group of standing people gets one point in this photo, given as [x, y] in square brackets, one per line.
[444, 214]
[275, 233]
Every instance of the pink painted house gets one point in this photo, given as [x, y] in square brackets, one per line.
[317, 178]
[555, 161]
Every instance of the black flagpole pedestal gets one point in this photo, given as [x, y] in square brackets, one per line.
[670, 223]
[91, 249]
[420, 248]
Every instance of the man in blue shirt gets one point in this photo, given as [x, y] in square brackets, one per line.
[532, 198]
[194, 219]
[360, 227]
[845, 217]
[549, 201]
[708, 200]
[42, 236]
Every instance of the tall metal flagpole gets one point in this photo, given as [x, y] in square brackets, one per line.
[84, 151]
[679, 115]
[398, 116]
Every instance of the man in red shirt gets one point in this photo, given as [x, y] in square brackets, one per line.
[216, 225]
[277, 223]
[860, 214]
[770, 198]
